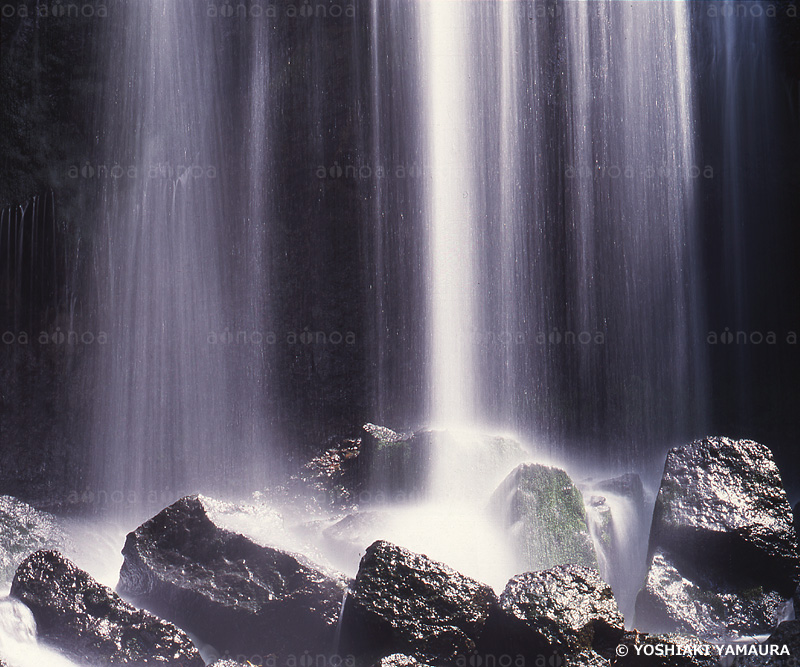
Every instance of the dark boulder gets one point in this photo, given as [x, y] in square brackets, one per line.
[678, 603]
[637, 649]
[386, 466]
[403, 602]
[545, 516]
[394, 464]
[350, 472]
[332, 478]
[91, 623]
[231, 592]
[568, 609]
[787, 634]
[723, 552]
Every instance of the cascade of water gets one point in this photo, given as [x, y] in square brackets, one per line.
[619, 534]
[18, 644]
[31, 266]
[165, 408]
[630, 140]
[397, 253]
[562, 243]
[739, 114]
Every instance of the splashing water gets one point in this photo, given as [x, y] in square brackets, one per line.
[18, 644]
[619, 533]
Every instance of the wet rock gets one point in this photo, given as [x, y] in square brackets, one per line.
[638, 649]
[227, 663]
[397, 465]
[796, 518]
[386, 466]
[332, 478]
[787, 634]
[349, 537]
[723, 552]
[394, 464]
[384, 435]
[403, 602]
[568, 609]
[231, 592]
[586, 659]
[545, 516]
[91, 623]
[628, 485]
[399, 660]
[24, 530]
[673, 601]
[601, 527]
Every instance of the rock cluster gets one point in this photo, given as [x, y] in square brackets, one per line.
[723, 562]
[405, 603]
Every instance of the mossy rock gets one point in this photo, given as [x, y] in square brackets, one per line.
[545, 516]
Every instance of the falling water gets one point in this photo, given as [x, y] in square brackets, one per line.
[562, 213]
[619, 530]
[561, 245]
[632, 205]
[446, 42]
[18, 643]
[554, 226]
[171, 387]
[740, 110]
[30, 264]
[541, 278]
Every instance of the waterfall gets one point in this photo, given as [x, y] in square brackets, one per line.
[30, 265]
[631, 209]
[562, 215]
[539, 278]
[619, 532]
[740, 110]
[175, 398]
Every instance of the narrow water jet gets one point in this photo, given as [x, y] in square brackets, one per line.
[451, 212]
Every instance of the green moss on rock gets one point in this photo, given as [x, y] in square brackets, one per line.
[545, 515]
